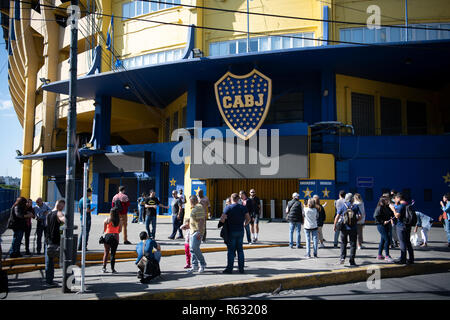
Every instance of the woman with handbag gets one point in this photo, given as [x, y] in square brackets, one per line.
[112, 226]
[18, 224]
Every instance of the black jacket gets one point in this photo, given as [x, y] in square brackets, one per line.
[224, 232]
[295, 211]
[17, 219]
[382, 214]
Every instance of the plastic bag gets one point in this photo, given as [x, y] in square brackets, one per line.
[415, 240]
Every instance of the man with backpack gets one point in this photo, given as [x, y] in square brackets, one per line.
[121, 202]
[346, 221]
[406, 218]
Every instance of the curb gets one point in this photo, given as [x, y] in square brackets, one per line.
[23, 265]
[294, 281]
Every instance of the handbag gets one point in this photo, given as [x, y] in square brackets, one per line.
[101, 240]
[141, 264]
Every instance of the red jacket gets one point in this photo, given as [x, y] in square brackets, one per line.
[125, 202]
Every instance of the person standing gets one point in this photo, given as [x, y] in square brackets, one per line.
[112, 226]
[426, 223]
[53, 239]
[338, 204]
[41, 210]
[383, 217]
[122, 202]
[18, 224]
[254, 222]
[237, 217]
[394, 236]
[294, 212]
[403, 229]
[151, 203]
[28, 227]
[197, 223]
[204, 201]
[445, 206]
[348, 227]
[311, 216]
[89, 209]
[177, 219]
[360, 227]
[141, 208]
[320, 220]
[248, 203]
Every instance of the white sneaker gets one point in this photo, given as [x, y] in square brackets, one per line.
[193, 269]
[201, 269]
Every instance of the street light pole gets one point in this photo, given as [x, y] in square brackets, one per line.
[74, 12]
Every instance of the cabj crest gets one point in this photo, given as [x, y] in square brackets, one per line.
[244, 101]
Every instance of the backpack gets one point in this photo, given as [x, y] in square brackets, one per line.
[151, 270]
[118, 205]
[350, 217]
[410, 216]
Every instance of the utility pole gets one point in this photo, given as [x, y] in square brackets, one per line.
[248, 27]
[67, 239]
[406, 20]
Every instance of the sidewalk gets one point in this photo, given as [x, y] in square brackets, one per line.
[266, 268]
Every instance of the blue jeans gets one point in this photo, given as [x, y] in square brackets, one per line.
[404, 235]
[16, 242]
[39, 231]
[196, 253]
[141, 210]
[49, 267]
[247, 231]
[447, 229]
[151, 220]
[336, 237]
[176, 224]
[88, 229]
[292, 226]
[234, 244]
[308, 234]
[385, 241]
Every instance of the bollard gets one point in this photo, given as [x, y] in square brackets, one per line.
[261, 214]
[283, 207]
[272, 209]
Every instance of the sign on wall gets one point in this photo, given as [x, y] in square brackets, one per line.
[197, 185]
[244, 101]
[325, 189]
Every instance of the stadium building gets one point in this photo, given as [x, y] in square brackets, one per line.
[350, 106]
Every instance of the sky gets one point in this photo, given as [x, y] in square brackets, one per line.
[11, 133]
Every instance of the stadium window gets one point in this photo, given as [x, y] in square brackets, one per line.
[138, 8]
[287, 107]
[363, 114]
[428, 195]
[368, 194]
[253, 45]
[126, 11]
[390, 116]
[416, 115]
[145, 7]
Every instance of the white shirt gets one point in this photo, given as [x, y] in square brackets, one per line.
[311, 216]
[362, 210]
[182, 199]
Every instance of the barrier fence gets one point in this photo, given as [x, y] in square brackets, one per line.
[7, 198]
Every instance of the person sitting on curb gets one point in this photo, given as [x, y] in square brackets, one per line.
[146, 258]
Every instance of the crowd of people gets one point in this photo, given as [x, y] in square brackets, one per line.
[394, 216]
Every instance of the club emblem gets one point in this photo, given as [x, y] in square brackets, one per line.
[244, 101]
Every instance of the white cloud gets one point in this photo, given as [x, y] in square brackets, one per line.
[6, 104]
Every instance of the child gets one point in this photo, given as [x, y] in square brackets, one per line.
[135, 216]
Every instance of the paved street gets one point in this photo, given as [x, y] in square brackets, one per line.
[423, 287]
[260, 263]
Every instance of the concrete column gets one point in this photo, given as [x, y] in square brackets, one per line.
[272, 209]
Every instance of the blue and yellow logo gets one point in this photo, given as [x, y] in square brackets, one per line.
[244, 101]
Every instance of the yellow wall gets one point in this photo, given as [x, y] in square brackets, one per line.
[345, 85]
[392, 12]
[269, 25]
[321, 167]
